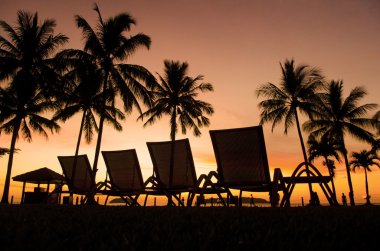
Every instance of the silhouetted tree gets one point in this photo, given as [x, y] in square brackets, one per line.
[108, 46]
[26, 62]
[24, 115]
[176, 96]
[296, 93]
[338, 116]
[324, 147]
[364, 159]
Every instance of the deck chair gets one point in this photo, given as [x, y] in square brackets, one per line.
[79, 178]
[242, 162]
[174, 171]
[125, 175]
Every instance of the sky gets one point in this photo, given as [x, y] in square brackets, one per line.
[237, 45]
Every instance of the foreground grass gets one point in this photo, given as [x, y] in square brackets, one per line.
[161, 228]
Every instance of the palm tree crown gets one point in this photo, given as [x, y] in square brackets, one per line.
[176, 96]
[338, 116]
[297, 88]
[364, 159]
[324, 147]
[26, 57]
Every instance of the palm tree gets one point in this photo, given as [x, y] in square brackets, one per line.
[364, 159]
[24, 115]
[83, 95]
[324, 147]
[338, 116]
[26, 62]
[296, 93]
[107, 46]
[176, 96]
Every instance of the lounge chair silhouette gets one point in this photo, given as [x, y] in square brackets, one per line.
[242, 162]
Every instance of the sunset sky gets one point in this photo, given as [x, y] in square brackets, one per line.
[237, 45]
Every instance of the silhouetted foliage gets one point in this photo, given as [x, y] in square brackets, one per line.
[4, 151]
[31, 82]
[339, 116]
[364, 159]
[175, 96]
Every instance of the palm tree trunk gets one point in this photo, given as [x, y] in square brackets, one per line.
[351, 193]
[172, 136]
[331, 175]
[368, 202]
[91, 196]
[303, 152]
[77, 149]
[4, 199]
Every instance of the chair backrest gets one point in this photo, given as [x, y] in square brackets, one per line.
[124, 170]
[83, 174]
[241, 156]
[179, 152]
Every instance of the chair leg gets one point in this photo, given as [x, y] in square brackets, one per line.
[146, 198]
[240, 198]
[105, 203]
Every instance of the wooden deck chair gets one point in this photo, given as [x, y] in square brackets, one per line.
[78, 177]
[174, 171]
[125, 175]
[242, 162]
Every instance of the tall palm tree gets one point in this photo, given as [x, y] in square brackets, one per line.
[26, 68]
[296, 93]
[24, 115]
[338, 117]
[176, 96]
[324, 147]
[364, 159]
[108, 46]
[83, 95]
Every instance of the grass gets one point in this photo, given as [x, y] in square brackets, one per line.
[162, 228]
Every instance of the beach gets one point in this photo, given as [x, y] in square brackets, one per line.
[64, 227]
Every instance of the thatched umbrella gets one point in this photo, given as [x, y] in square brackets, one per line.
[40, 176]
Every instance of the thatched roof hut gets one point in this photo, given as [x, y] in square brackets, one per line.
[40, 176]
